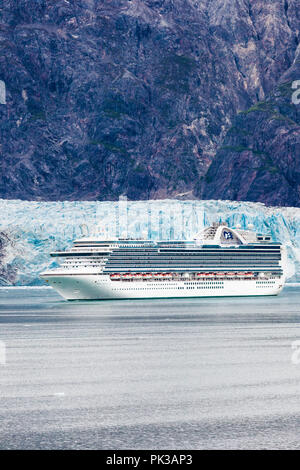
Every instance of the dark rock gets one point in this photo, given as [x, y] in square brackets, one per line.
[8, 271]
[259, 159]
[135, 97]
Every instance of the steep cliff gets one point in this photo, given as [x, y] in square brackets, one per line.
[136, 97]
[260, 157]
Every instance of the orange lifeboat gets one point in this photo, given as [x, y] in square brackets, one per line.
[115, 276]
[127, 276]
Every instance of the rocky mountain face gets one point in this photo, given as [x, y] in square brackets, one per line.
[150, 99]
[8, 267]
[260, 157]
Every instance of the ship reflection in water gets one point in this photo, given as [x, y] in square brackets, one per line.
[174, 373]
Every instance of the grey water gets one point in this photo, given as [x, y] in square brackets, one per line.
[218, 373]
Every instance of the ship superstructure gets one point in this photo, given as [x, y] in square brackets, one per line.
[220, 261]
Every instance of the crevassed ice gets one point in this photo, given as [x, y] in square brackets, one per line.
[34, 229]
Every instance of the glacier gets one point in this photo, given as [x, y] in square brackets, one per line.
[30, 230]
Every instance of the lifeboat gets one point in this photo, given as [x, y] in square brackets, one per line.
[240, 274]
[248, 274]
[127, 276]
[220, 274]
[115, 276]
[200, 274]
[168, 275]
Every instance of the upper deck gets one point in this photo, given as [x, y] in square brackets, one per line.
[217, 236]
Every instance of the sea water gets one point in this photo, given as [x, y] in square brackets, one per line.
[217, 373]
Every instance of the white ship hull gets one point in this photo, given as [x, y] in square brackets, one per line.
[222, 262]
[101, 287]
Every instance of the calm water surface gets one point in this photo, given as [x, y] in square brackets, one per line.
[157, 374]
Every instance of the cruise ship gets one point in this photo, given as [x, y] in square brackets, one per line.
[220, 261]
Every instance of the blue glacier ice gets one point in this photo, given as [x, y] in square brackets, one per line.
[34, 229]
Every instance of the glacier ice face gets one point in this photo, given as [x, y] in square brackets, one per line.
[34, 229]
